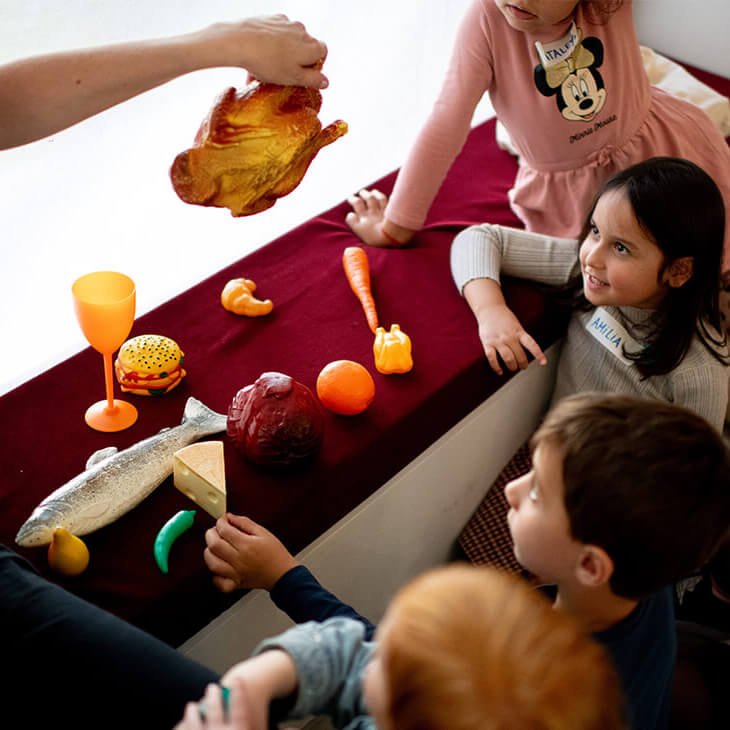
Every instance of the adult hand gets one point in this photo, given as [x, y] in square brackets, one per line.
[272, 49]
[243, 554]
[367, 218]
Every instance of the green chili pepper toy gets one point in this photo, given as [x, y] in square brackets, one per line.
[171, 530]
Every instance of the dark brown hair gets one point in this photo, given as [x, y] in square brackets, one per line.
[647, 481]
[679, 206]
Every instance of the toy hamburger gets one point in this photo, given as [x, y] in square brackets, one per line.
[149, 365]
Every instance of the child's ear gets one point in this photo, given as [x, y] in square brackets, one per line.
[679, 272]
[595, 566]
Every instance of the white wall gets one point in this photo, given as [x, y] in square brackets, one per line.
[98, 196]
[693, 31]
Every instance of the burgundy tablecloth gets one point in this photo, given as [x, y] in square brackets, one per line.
[316, 319]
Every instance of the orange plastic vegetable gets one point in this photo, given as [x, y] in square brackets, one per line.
[392, 351]
[237, 297]
[357, 270]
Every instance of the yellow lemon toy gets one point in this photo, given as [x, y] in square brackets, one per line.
[67, 554]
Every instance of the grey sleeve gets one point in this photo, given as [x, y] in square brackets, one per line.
[486, 251]
[330, 658]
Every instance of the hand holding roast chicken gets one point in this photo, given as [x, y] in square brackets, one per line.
[253, 147]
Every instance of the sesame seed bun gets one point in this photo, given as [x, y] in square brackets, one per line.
[149, 365]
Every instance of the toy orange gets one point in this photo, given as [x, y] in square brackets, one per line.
[345, 387]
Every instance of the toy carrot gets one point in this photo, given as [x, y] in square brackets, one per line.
[357, 270]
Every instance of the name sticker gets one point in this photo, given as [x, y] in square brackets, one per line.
[612, 335]
[553, 53]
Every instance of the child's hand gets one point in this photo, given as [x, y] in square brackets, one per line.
[367, 218]
[243, 711]
[243, 554]
[503, 336]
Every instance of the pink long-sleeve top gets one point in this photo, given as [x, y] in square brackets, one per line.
[577, 115]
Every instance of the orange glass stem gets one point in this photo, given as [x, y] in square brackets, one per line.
[109, 380]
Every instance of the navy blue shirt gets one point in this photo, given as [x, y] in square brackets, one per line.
[643, 646]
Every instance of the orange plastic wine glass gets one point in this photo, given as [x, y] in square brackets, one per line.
[105, 302]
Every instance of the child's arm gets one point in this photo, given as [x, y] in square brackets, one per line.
[252, 686]
[45, 94]
[330, 659]
[478, 255]
[500, 331]
[468, 77]
[367, 221]
[243, 554]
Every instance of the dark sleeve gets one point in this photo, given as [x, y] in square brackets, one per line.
[301, 597]
[64, 656]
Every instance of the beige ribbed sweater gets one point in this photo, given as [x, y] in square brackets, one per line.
[699, 382]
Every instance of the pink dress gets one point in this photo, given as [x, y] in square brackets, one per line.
[577, 114]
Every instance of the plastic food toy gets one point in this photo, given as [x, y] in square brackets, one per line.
[116, 481]
[170, 531]
[345, 387]
[254, 146]
[275, 421]
[392, 351]
[199, 472]
[67, 554]
[357, 270]
[237, 297]
[149, 365]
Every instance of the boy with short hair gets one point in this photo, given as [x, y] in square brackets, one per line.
[626, 497]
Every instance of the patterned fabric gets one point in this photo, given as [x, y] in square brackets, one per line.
[486, 539]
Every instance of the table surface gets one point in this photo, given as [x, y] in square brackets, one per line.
[316, 319]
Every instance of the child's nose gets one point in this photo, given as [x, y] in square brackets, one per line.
[512, 493]
[594, 257]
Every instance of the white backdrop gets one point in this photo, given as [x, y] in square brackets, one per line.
[97, 196]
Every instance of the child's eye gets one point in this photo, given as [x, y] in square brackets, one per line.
[620, 248]
[594, 229]
[532, 494]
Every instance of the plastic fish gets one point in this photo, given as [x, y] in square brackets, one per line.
[116, 481]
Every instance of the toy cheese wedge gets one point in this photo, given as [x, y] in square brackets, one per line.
[199, 473]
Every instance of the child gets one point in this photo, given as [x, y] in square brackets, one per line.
[646, 321]
[626, 496]
[567, 81]
[460, 647]
[45, 94]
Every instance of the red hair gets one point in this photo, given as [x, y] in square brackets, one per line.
[470, 648]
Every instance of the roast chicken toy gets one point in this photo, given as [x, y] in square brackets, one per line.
[253, 147]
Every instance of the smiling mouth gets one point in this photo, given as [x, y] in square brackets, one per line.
[593, 282]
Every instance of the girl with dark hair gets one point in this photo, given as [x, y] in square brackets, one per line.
[644, 282]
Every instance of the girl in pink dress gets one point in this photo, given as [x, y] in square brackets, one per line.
[567, 81]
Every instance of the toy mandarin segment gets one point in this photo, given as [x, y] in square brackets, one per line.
[345, 387]
[254, 146]
[237, 297]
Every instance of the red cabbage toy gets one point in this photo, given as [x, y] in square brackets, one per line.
[275, 421]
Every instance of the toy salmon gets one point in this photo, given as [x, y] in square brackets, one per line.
[116, 481]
